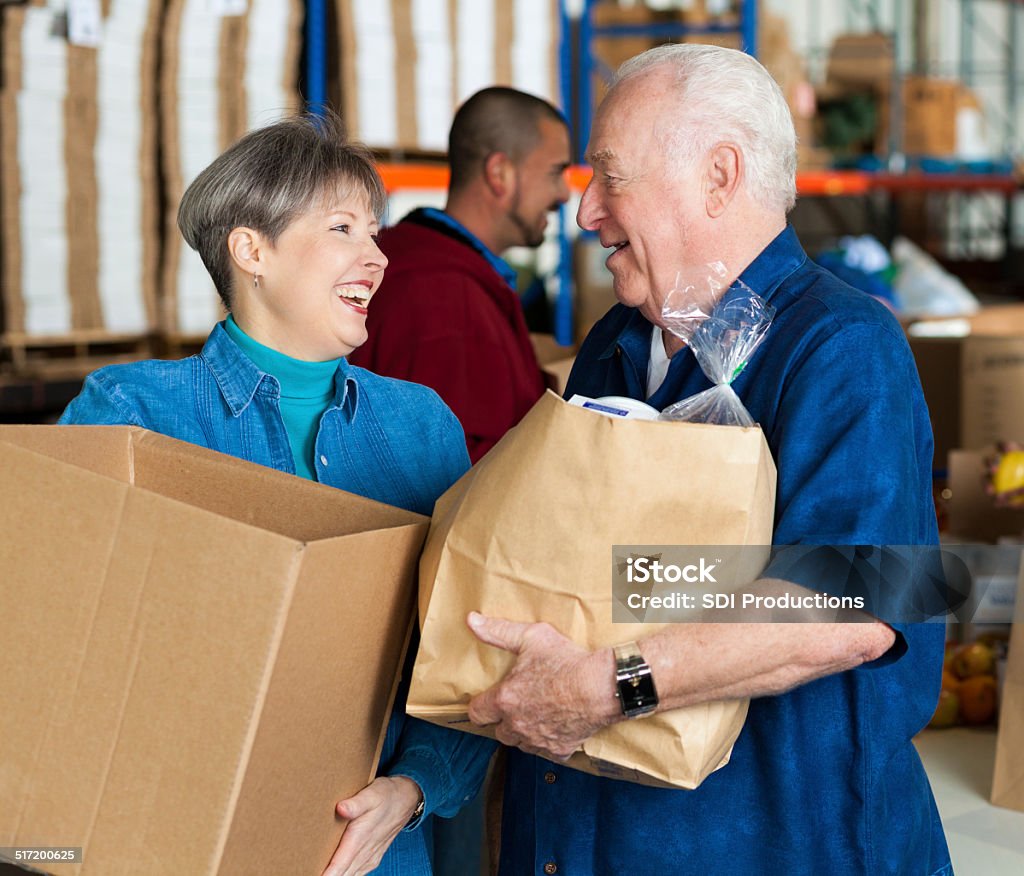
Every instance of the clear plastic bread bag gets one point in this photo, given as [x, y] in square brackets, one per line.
[723, 325]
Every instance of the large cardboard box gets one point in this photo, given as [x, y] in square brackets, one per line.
[199, 654]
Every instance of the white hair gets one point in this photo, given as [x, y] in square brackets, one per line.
[726, 96]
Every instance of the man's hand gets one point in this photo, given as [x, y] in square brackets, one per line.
[376, 816]
[555, 696]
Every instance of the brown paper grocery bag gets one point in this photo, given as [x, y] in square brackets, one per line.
[527, 534]
[1008, 777]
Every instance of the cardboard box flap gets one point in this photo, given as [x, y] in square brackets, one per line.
[108, 451]
[309, 698]
[254, 494]
[224, 485]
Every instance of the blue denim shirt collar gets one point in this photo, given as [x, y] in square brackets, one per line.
[764, 275]
[239, 379]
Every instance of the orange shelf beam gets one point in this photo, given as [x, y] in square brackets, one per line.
[809, 183]
[413, 176]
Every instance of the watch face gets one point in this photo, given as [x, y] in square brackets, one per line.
[637, 693]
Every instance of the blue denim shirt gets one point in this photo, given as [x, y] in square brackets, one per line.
[385, 439]
[823, 779]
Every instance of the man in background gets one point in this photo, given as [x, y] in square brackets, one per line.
[447, 314]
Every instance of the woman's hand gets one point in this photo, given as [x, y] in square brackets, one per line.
[376, 815]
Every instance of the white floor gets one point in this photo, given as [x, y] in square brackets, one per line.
[984, 840]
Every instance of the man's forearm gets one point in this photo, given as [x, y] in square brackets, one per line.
[698, 662]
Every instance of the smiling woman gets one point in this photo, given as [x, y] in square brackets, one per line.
[286, 222]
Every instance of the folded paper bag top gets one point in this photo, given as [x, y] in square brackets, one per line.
[528, 533]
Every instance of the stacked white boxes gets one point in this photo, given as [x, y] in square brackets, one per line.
[406, 65]
[228, 66]
[78, 162]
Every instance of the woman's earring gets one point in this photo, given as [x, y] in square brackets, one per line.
[255, 281]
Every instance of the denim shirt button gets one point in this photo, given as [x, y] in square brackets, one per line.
[550, 777]
[323, 459]
[550, 868]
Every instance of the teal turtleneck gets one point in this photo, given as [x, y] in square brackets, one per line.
[307, 389]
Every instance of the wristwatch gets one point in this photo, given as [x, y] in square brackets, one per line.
[634, 684]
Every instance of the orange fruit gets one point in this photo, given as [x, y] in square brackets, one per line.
[974, 659]
[947, 710]
[950, 681]
[978, 699]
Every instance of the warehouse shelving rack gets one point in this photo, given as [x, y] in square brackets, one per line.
[980, 208]
[744, 25]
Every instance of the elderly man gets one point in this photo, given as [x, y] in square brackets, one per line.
[447, 314]
[694, 161]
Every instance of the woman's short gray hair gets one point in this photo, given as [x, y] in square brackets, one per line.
[726, 96]
[267, 179]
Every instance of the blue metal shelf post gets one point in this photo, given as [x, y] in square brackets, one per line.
[316, 56]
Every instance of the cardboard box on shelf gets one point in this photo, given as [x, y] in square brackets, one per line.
[940, 117]
[929, 115]
[611, 52]
[555, 360]
[972, 382]
[221, 75]
[403, 72]
[199, 653]
[79, 193]
[862, 61]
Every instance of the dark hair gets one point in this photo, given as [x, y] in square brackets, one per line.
[497, 119]
[268, 178]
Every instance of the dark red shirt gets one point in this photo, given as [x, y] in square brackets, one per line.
[443, 317]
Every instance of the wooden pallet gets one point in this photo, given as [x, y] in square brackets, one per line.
[176, 346]
[70, 355]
